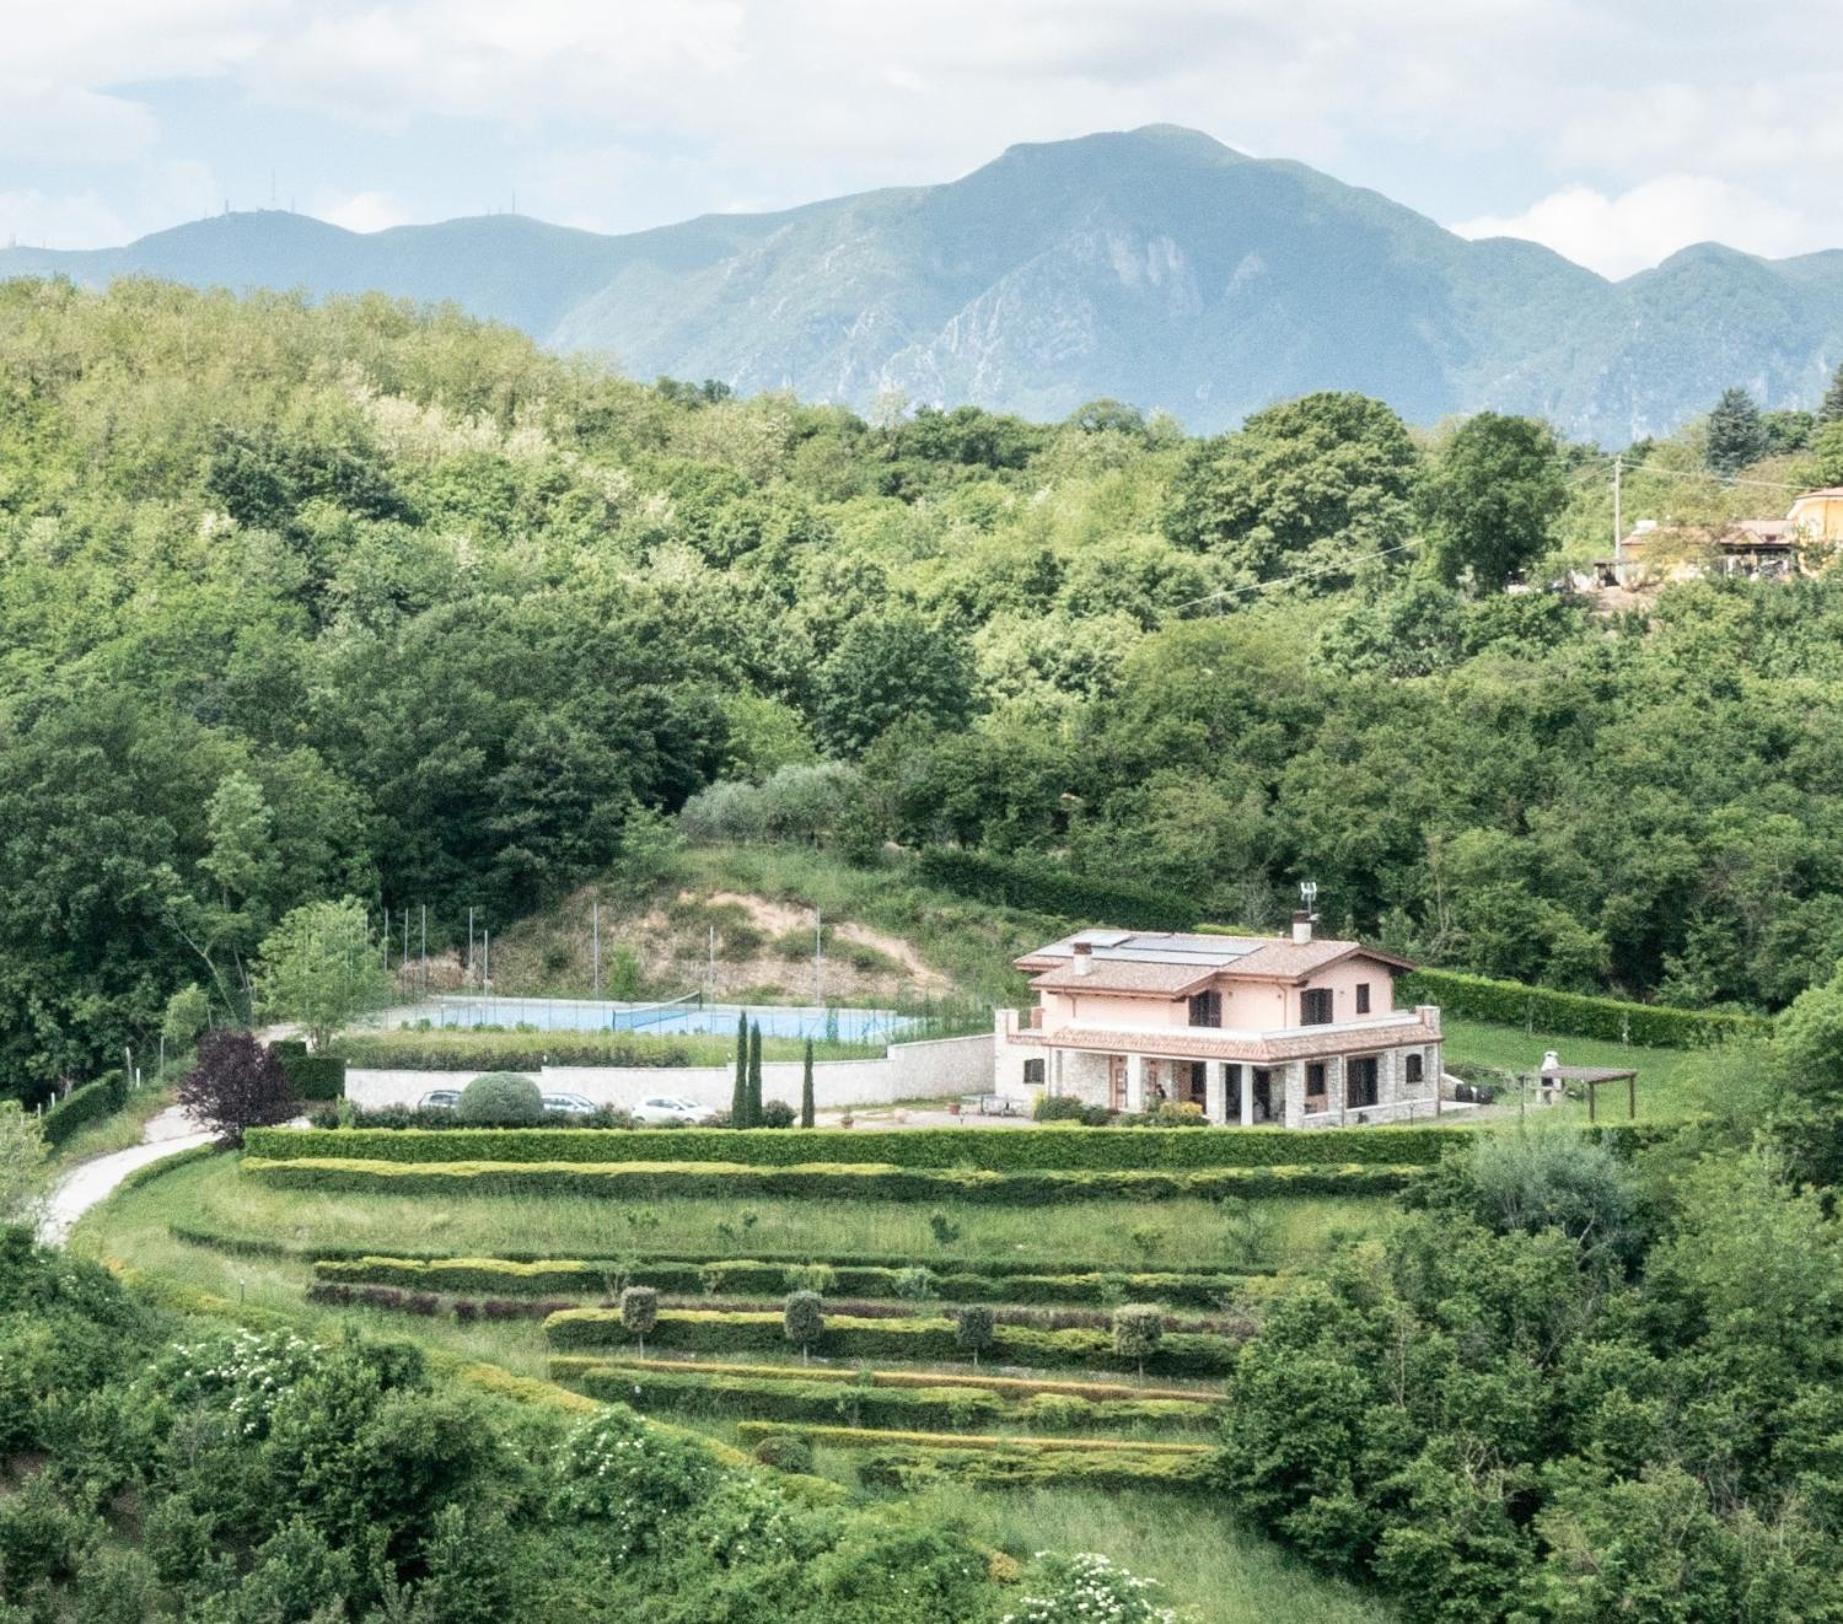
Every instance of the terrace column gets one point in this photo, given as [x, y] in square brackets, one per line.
[1216, 1092]
[1247, 1096]
[1293, 1078]
[1135, 1082]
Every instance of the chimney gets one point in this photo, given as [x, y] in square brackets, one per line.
[1084, 958]
[1302, 926]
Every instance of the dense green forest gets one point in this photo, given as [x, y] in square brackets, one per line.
[300, 602]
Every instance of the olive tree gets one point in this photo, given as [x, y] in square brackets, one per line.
[639, 1313]
[804, 1322]
[1138, 1328]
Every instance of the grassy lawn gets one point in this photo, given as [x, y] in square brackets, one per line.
[212, 1194]
[1668, 1079]
[1201, 1559]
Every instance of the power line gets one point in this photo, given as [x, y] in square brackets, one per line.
[1334, 566]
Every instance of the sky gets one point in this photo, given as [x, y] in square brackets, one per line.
[1615, 131]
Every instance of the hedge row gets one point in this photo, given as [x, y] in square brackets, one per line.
[469, 1049]
[1042, 886]
[82, 1106]
[1063, 1148]
[741, 1277]
[874, 1437]
[565, 1367]
[853, 1404]
[313, 1076]
[1541, 1009]
[1180, 1353]
[690, 1279]
[911, 1470]
[652, 1181]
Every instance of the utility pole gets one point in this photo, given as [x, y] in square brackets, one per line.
[818, 955]
[1618, 507]
[467, 970]
[425, 948]
[595, 930]
[710, 967]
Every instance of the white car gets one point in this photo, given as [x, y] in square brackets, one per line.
[670, 1111]
[440, 1099]
[569, 1105]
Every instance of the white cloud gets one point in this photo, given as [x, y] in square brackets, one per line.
[30, 219]
[1635, 229]
[53, 122]
[360, 211]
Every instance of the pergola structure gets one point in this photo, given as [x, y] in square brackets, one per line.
[1593, 1077]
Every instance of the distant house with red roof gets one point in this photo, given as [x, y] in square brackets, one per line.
[1772, 549]
[1292, 1030]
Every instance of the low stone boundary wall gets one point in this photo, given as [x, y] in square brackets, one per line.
[939, 1068]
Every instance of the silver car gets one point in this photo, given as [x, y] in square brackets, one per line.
[671, 1111]
[440, 1099]
[570, 1105]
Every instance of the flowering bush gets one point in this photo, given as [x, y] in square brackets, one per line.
[634, 1478]
[1089, 1589]
[246, 1372]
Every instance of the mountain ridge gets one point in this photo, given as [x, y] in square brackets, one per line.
[1154, 265]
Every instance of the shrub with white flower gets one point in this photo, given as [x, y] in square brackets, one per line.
[637, 1479]
[746, 1520]
[245, 1372]
[1089, 1589]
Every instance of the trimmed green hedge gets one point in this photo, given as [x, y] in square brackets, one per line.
[470, 1049]
[1570, 1014]
[744, 1278]
[1000, 1268]
[872, 1437]
[566, 1366]
[647, 1181]
[1040, 885]
[82, 1106]
[1181, 1353]
[313, 1076]
[910, 1470]
[856, 1404]
[1064, 1148]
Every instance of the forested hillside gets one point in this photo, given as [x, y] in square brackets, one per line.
[303, 602]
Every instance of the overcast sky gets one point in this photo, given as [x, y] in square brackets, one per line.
[1613, 130]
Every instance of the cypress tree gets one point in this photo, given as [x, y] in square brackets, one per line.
[1737, 436]
[1832, 409]
[806, 1088]
[755, 1077]
[739, 1093]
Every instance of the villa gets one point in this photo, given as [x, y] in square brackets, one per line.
[1288, 1030]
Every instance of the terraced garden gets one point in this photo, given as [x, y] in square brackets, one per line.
[1072, 1355]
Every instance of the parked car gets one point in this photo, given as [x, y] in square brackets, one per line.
[440, 1099]
[671, 1111]
[570, 1105]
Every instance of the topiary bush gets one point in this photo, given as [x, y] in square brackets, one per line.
[500, 1099]
[639, 1313]
[1138, 1329]
[803, 1322]
[974, 1327]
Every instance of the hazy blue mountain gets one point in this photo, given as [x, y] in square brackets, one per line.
[1155, 265]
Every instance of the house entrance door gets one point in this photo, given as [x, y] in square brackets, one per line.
[1116, 1081]
[1263, 1094]
[1196, 1084]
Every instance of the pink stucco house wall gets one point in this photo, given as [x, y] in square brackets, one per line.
[1293, 1030]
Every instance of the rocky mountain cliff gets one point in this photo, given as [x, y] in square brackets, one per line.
[1156, 266]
